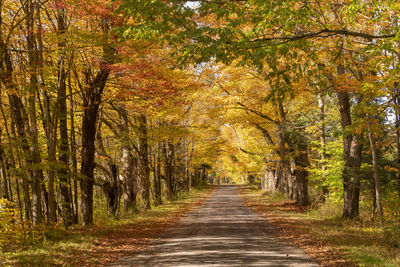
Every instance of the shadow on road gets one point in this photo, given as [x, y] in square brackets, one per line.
[221, 232]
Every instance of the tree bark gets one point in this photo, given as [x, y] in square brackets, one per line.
[66, 209]
[301, 174]
[323, 156]
[157, 178]
[110, 189]
[37, 174]
[168, 154]
[3, 173]
[144, 162]
[92, 97]
[73, 151]
[397, 118]
[376, 171]
[284, 165]
[128, 161]
[50, 128]
[352, 153]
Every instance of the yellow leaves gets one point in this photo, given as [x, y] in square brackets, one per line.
[11, 232]
[346, 83]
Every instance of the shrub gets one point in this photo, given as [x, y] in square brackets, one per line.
[11, 231]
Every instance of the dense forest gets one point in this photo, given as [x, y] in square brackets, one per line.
[126, 104]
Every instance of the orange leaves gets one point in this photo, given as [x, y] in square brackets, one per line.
[145, 77]
[346, 83]
[92, 9]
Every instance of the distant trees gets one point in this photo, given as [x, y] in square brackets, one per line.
[292, 46]
[84, 108]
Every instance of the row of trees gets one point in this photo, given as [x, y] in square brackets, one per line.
[300, 62]
[318, 66]
[143, 98]
[82, 106]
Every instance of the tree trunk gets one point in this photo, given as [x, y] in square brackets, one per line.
[157, 178]
[376, 171]
[92, 97]
[73, 151]
[144, 162]
[129, 174]
[90, 112]
[168, 153]
[321, 106]
[110, 189]
[397, 117]
[352, 153]
[91, 103]
[129, 168]
[66, 209]
[3, 173]
[301, 174]
[50, 128]
[284, 176]
[188, 179]
[37, 174]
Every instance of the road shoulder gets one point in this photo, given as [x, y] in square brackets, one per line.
[294, 229]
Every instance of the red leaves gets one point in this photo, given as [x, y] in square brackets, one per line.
[146, 80]
[92, 9]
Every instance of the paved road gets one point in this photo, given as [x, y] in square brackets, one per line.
[223, 231]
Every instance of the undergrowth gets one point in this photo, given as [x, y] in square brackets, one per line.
[55, 245]
[362, 239]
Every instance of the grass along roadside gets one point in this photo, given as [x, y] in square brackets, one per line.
[331, 241]
[106, 241]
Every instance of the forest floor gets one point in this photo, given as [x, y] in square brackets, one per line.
[106, 241]
[222, 231]
[331, 241]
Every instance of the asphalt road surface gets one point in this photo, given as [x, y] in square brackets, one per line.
[222, 231]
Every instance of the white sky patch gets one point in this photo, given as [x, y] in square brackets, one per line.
[193, 5]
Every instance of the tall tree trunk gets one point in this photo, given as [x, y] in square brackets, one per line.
[110, 188]
[284, 176]
[129, 168]
[129, 174]
[73, 151]
[168, 168]
[397, 117]
[188, 178]
[33, 64]
[301, 173]
[144, 162]
[352, 153]
[92, 97]
[3, 172]
[91, 104]
[321, 106]
[157, 177]
[66, 209]
[376, 171]
[49, 127]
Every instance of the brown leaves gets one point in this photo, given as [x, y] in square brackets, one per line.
[297, 229]
[115, 242]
